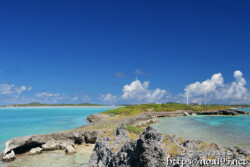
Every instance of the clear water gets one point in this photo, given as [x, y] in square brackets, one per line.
[56, 158]
[224, 130]
[246, 109]
[22, 121]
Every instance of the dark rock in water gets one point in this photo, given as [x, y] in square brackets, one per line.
[223, 112]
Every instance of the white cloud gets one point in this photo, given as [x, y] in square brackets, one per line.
[138, 72]
[107, 98]
[46, 97]
[236, 90]
[8, 89]
[84, 98]
[218, 91]
[75, 99]
[121, 75]
[135, 93]
[210, 85]
[46, 94]
[138, 92]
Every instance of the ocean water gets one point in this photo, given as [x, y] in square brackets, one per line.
[246, 109]
[22, 121]
[224, 130]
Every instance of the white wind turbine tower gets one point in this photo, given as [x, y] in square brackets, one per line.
[187, 96]
[205, 98]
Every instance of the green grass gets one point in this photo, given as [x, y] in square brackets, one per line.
[130, 110]
[133, 129]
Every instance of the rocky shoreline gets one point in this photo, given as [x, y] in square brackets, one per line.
[36, 144]
[154, 149]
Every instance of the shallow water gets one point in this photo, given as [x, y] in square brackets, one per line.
[224, 130]
[22, 121]
[56, 158]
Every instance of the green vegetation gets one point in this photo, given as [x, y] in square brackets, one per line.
[130, 110]
[35, 104]
[133, 129]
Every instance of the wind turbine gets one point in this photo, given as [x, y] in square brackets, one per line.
[205, 98]
[187, 96]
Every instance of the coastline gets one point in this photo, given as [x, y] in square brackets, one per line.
[99, 123]
[53, 106]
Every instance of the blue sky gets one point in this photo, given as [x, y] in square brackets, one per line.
[57, 51]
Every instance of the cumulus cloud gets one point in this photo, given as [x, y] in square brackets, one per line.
[120, 75]
[234, 91]
[46, 94]
[138, 72]
[8, 89]
[12, 94]
[217, 90]
[53, 98]
[108, 98]
[46, 97]
[137, 92]
[210, 85]
[84, 98]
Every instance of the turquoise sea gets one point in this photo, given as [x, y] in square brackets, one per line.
[22, 121]
[224, 130]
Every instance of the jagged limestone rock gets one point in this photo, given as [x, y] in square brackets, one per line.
[146, 151]
[151, 150]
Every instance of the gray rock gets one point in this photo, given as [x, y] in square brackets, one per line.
[243, 151]
[222, 112]
[51, 145]
[64, 144]
[90, 136]
[121, 135]
[146, 151]
[24, 144]
[70, 149]
[9, 157]
[102, 153]
[149, 147]
[191, 145]
[37, 150]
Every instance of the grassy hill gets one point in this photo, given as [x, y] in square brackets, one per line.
[135, 109]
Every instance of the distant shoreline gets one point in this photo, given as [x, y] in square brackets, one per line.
[35, 104]
[51, 106]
